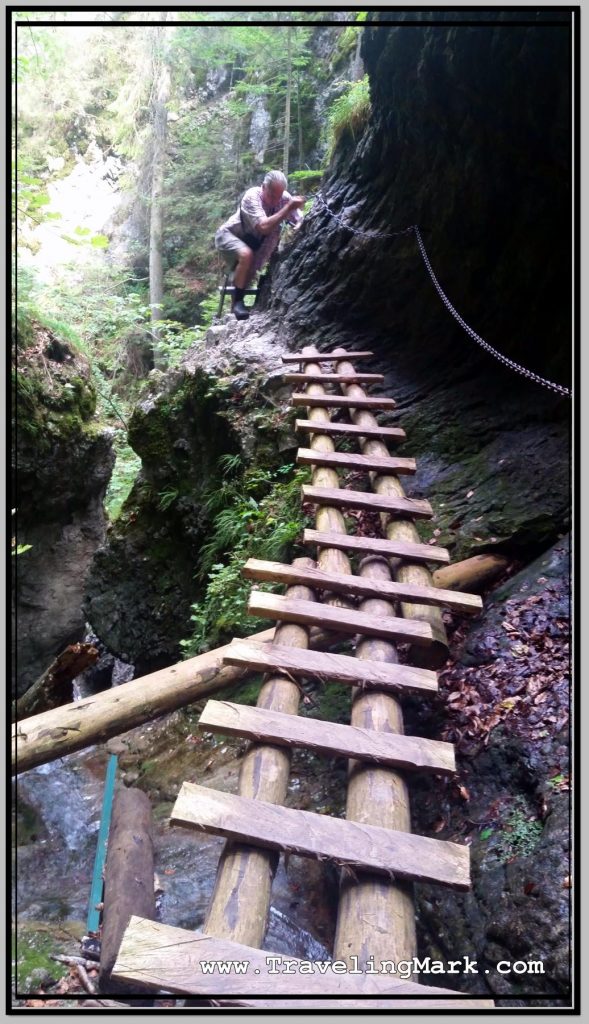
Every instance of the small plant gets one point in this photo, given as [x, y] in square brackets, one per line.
[256, 514]
[125, 470]
[167, 498]
[349, 113]
[518, 835]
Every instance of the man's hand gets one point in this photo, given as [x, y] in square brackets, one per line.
[295, 202]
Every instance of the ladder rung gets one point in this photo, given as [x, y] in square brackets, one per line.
[349, 460]
[361, 846]
[342, 498]
[362, 586]
[349, 430]
[229, 290]
[325, 357]
[161, 956]
[341, 620]
[336, 667]
[408, 752]
[421, 553]
[333, 378]
[341, 401]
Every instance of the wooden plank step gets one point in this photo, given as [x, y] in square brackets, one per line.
[358, 845]
[333, 378]
[350, 430]
[339, 668]
[161, 956]
[349, 460]
[341, 401]
[340, 497]
[229, 290]
[372, 1003]
[420, 553]
[324, 357]
[277, 572]
[341, 620]
[408, 752]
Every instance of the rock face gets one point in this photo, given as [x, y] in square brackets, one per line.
[61, 470]
[142, 582]
[487, 181]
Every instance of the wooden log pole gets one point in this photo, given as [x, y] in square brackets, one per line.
[375, 916]
[241, 899]
[53, 734]
[128, 877]
[400, 530]
[472, 573]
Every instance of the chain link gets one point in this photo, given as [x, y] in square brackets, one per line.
[558, 388]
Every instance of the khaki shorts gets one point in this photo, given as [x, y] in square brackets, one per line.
[229, 246]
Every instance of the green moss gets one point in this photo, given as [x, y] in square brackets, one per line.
[31, 952]
[335, 703]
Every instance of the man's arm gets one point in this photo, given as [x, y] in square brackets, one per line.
[266, 224]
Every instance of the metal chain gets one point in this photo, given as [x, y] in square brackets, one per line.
[558, 388]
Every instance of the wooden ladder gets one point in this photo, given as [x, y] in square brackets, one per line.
[228, 289]
[389, 598]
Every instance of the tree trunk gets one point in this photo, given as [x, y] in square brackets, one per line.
[161, 95]
[287, 104]
[300, 123]
[51, 689]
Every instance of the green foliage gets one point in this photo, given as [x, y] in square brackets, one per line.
[167, 498]
[350, 112]
[257, 514]
[124, 474]
[518, 835]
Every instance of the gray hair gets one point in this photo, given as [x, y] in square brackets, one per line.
[275, 176]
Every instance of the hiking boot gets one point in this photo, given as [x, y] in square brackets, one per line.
[240, 311]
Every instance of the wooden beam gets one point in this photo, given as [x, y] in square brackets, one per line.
[340, 497]
[374, 546]
[361, 847]
[342, 620]
[128, 876]
[164, 957]
[53, 734]
[336, 667]
[477, 571]
[277, 572]
[333, 378]
[350, 430]
[412, 753]
[341, 402]
[349, 460]
[411, 1002]
[323, 357]
[241, 896]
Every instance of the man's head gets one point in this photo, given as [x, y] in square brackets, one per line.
[274, 185]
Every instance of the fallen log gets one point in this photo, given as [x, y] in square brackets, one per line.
[128, 879]
[50, 690]
[472, 573]
[95, 719]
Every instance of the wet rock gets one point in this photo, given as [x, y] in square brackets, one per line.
[62, 466]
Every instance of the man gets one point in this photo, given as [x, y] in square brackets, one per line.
[247, 240]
